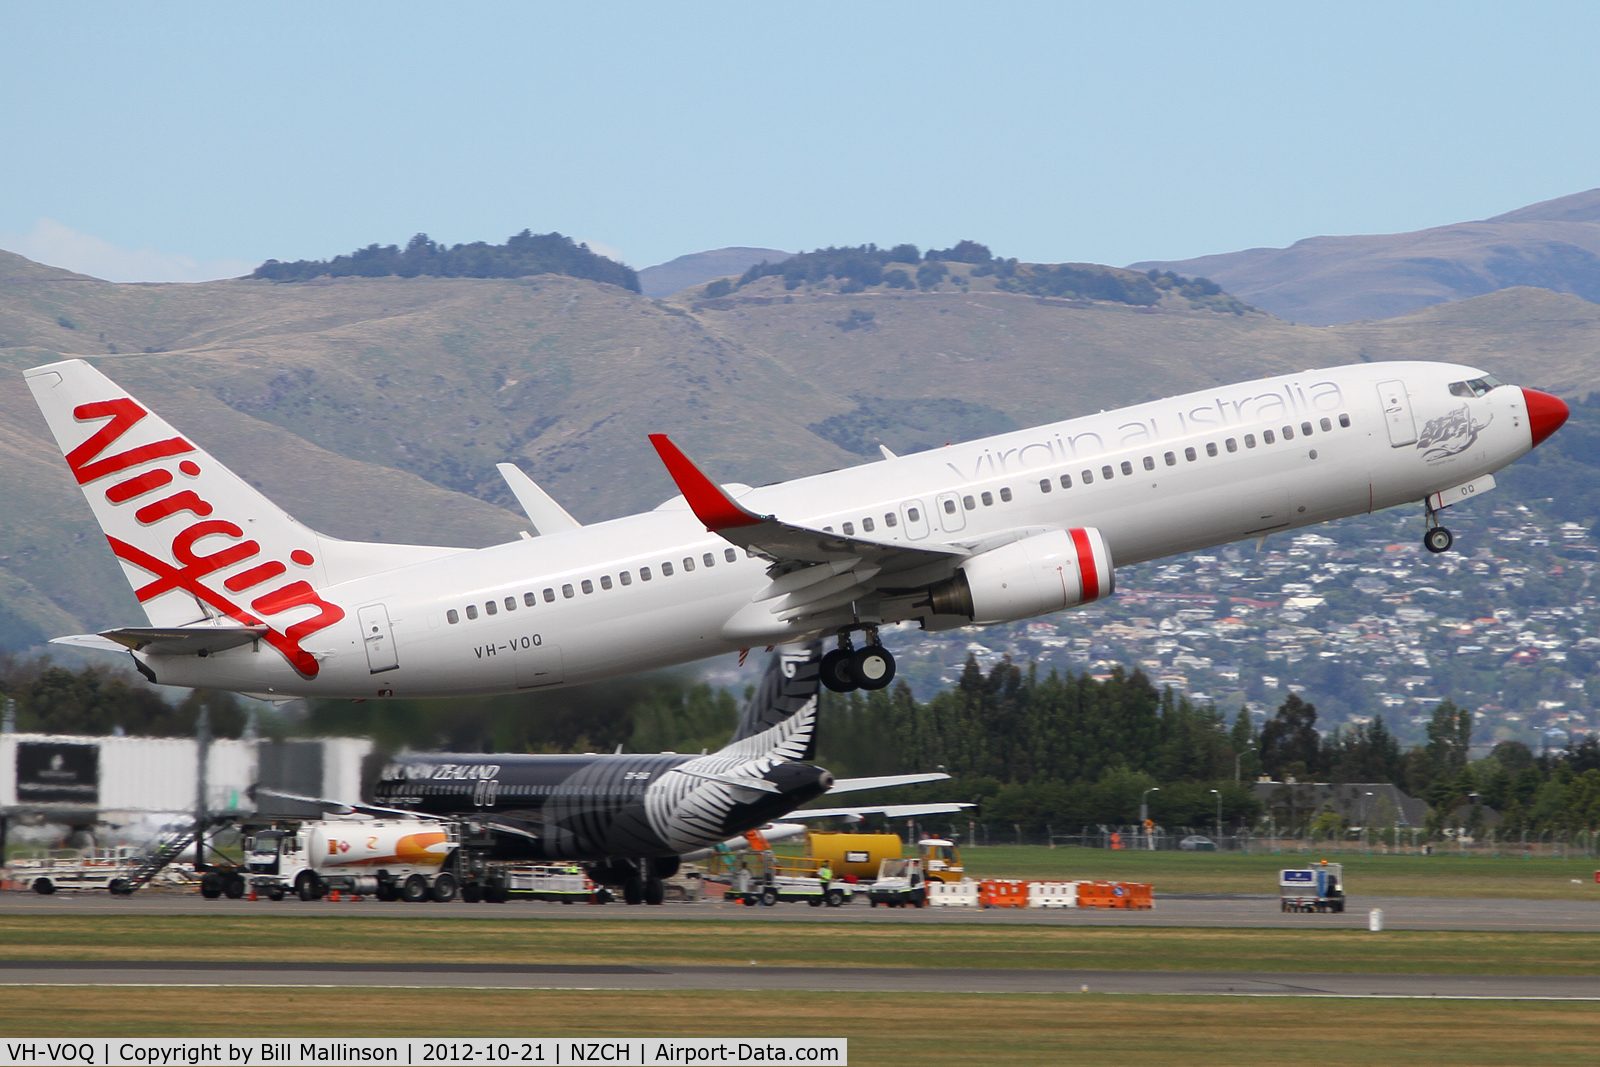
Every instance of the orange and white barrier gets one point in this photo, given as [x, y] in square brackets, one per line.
[1052, 894]
[962, 894]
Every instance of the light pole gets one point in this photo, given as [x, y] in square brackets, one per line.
[1218, 793]
[1144, 816]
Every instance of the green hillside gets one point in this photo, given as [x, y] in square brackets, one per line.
[377, 407]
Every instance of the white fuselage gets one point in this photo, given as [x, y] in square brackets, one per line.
[1150, 506]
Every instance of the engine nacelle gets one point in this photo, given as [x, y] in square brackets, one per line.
[1033, 576]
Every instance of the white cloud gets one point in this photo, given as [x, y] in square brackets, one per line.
[600, 249]
[51, 243]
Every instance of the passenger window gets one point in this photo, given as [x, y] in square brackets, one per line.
[688, 564]
[1087, 476]
[625, 578]
[567, 592]
[1171, 460]
[1189, 455]
[1211, 448]
[1149, 463]
[452, 617]
[950, 507]
[529, 599]
[1266, 435]
[511, 603]
[1066, 481]
[1344, 421]
[1106, 472]
[988, 500]
[490, 608]
[1327, 427]
[1231, 445]
[968, 503]
[911, 513]
[867, 525]
[1044, 485]
[605, 581]
[730, 555]
[1305, 429]
[472, 611]
[709, 560]
[586, 585]
[1288, 433]
[549, 596]
[849, 529]
[644, 574]
[1127, 468]
[1249, 440]
[891, 521]
[827, 529]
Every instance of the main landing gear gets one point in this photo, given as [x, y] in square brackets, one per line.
[1436, 538]
[847, 668]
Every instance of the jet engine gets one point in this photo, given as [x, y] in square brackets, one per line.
[1032, 576]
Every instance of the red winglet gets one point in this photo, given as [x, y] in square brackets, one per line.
[710, 504]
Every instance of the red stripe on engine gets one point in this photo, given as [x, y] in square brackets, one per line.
[1089, 573]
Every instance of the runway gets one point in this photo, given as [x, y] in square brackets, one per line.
[1250, 912]
[791, 979]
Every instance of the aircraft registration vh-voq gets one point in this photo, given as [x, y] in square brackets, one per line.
[240, 596]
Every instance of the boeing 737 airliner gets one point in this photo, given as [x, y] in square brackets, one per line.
[240, 596]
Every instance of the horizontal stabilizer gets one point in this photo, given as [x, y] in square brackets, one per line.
[884, 781]
[94, 641]
[547, 516]
[183, 640]
[891, 811]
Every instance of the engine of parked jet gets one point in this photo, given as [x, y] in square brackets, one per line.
[1032, 576]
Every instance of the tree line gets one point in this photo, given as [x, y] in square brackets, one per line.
[1055, 750]
[522, 254]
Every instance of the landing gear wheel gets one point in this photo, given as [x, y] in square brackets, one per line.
[1438, 539]
[872, 667]
[769, 897]
[275, 894]
[655, 892]
[444, 888]
[234, 887]
[495, 894]
[43, 886]
[836, 673]
[415, 890]
[633, 891]
[116, 886]
[386, 892]
[472, 893]
[210, 886]
[308, 885]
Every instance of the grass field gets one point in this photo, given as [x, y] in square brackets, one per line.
[883, 1028]
[289, 937]
[1542, 878]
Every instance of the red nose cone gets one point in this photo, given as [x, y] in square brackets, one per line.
[1546, 414]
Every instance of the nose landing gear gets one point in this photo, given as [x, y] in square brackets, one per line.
[847, 668]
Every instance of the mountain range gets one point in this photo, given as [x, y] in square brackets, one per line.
[1323, 281]
[377, 407]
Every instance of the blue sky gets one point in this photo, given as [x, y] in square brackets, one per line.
[163, 141]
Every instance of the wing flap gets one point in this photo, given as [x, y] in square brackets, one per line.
[891, 811]
[182, 640]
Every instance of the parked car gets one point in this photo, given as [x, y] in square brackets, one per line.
[1196, 843]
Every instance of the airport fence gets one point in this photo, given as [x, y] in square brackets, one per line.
[1373, 841]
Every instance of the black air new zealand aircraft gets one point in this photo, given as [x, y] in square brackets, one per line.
[628, 818]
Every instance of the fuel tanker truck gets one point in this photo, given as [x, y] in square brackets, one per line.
[391, 859]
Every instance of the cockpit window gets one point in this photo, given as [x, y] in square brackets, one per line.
[1475, 387]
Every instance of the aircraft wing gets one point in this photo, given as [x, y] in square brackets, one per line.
[789, 546]
[884, 781]
[892, 811]
[336, 807]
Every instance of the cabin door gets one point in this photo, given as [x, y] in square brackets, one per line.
[378, 638]
[1397, 413]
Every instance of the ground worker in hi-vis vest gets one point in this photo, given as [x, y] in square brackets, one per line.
[825, 875]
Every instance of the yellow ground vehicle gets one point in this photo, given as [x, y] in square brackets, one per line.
[863, 854]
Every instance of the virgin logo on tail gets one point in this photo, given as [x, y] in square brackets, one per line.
[187, 567]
